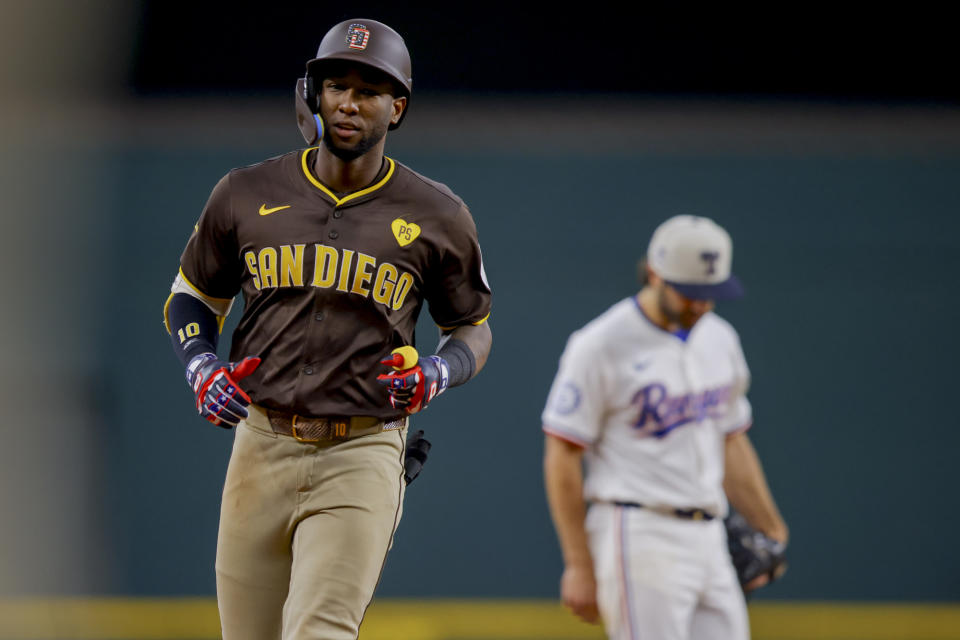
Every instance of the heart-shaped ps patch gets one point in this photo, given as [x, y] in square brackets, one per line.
[405, 232]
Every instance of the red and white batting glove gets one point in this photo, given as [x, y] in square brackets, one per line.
[214, 382]
[415, 381]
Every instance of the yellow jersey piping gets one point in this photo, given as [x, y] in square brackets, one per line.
[221, 320]
[166, 317]
[476, 324]
[349, 197]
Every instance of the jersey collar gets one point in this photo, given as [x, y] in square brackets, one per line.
[680, 334]
[338, 201]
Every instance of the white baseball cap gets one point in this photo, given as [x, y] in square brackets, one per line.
[694, 256]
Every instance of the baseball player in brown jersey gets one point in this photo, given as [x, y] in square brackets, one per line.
[335, 248]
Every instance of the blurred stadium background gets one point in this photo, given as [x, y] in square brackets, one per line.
[828, 144]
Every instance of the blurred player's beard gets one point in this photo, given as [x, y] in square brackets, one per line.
[361, 147]
[683, 317]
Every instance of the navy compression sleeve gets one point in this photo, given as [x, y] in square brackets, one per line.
[193, 327]
[460, 361]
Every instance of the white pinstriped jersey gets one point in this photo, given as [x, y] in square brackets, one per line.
[650, 408]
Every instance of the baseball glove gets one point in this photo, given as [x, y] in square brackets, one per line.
[753, 553]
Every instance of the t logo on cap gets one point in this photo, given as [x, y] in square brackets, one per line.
[710, 257]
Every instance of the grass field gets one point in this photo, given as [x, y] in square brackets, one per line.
[393, 619]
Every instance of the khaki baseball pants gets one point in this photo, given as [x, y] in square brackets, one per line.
[304, 532]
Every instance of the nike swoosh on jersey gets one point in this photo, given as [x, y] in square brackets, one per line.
[265, 212]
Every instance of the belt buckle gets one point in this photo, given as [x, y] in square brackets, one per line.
[697, 514]
[297, 436]
[339, 430]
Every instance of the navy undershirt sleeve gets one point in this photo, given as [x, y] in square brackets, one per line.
[193, 327]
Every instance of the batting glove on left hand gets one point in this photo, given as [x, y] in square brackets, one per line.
[413, 388]
[214, 382]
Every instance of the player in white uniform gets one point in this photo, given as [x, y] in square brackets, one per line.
[651, 396]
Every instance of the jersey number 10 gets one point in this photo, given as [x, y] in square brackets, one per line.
[188, 331]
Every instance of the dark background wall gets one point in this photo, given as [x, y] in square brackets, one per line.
[792, 50]
[847, 259]
[828, 146]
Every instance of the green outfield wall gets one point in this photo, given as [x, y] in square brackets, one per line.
[846, 237]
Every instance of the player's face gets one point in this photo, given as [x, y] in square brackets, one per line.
[357, 110]
[680, 310]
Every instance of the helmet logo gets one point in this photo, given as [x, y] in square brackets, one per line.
[358, 36]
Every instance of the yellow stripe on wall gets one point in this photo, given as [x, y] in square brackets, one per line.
[473, 620]
[401, 619]
[849, 621]
[113, 618]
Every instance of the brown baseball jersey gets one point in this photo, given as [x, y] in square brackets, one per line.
[333, 282]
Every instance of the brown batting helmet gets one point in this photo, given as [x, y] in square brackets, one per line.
[363, 41]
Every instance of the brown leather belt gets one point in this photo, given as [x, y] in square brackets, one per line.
[333, 429]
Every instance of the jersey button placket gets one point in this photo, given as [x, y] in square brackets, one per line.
[691, 378]
[333, 234]
[319, 315]
[305, 381]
